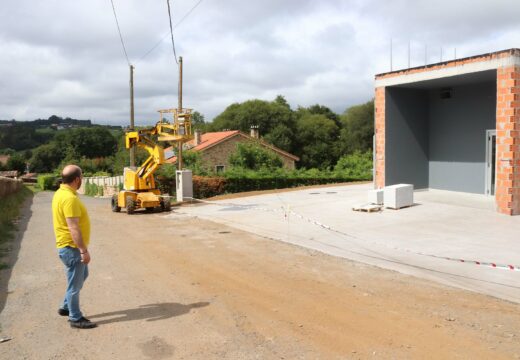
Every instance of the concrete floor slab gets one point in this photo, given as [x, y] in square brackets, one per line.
[441, 223]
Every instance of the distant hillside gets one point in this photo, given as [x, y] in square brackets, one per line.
[53, 120]
[23, 135]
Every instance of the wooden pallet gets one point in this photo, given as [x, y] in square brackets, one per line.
[399, 208]
[368, 208]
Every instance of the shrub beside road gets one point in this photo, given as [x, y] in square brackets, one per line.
[10, 206]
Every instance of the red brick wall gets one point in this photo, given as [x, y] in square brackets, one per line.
[507, 192]
[379, 112]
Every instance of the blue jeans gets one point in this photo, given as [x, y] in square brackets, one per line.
[77, 273]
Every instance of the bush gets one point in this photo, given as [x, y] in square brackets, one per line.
[204, 187]
[357, 165]
[16, 162]
[253, 156]
[93, 189]
[47, 182]
[10, 206]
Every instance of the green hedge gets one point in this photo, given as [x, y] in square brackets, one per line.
[353, 167]
[47, 182]
[166, 184]
[93, 189]
[240, 180]
[204, 187]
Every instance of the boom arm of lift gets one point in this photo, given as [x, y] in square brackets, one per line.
[142, 179]
[156, 158]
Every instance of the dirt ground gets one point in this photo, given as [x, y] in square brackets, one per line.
[164, 286]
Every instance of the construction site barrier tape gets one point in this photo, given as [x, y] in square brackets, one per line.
[288, 211]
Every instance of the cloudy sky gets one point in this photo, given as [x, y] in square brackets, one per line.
[65, 57]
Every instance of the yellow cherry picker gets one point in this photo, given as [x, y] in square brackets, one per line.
[140, 190]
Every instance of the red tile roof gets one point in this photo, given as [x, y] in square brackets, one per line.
[210, 139]
[4, 159]
[213, 138]
[206, 140]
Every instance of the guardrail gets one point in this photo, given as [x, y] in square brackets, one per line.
[109, 183]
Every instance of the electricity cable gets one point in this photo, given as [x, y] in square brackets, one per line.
[171, 31]
[174, 27]
[119, 30]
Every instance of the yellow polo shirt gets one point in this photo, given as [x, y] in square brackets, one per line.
[66, 204]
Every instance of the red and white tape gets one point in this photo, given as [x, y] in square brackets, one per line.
[288, 211]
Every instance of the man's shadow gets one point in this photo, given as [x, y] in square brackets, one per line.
[150, 312]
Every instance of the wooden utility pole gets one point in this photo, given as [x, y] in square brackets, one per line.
[179, 111]
[132, 149]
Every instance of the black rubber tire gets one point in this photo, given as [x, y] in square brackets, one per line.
[166, 206]
[130, 205]
[114, 204]
[149, 209]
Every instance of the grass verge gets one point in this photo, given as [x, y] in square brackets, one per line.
[9, 212]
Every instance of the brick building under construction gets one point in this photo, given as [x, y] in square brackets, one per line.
[453, 125]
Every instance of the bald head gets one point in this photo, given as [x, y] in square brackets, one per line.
[70, 173]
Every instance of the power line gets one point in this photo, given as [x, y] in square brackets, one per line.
[171, 31]
[174, 27]
[119, 30]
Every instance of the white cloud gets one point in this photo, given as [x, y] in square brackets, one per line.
[64, 57]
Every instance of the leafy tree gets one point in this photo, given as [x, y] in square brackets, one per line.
[197, 121]
[317, 137]
[27, 154]
[282, 137]
[264, 114]
[92, 142]
[280, 100]
[323, 110]
[358, 128]
[121, 159]
[357, 165]
[16, 162]
[7, 151]
[193, 160]
[19, 137]
[251, 155]
[46, 158]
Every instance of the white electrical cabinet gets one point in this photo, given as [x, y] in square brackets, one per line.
[184, 185]
[398, 196]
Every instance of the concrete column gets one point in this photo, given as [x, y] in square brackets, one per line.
[507, 193]
[379, 126]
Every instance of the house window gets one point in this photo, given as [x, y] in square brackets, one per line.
[220, 168]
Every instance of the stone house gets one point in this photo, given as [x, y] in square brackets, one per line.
[216, 147]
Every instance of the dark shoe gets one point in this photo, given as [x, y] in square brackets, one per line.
[82, 323]
[63, 312]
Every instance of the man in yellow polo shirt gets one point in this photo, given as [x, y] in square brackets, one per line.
[72, 231]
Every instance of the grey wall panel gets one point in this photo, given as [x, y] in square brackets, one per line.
[406, 137]
[457, 129]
